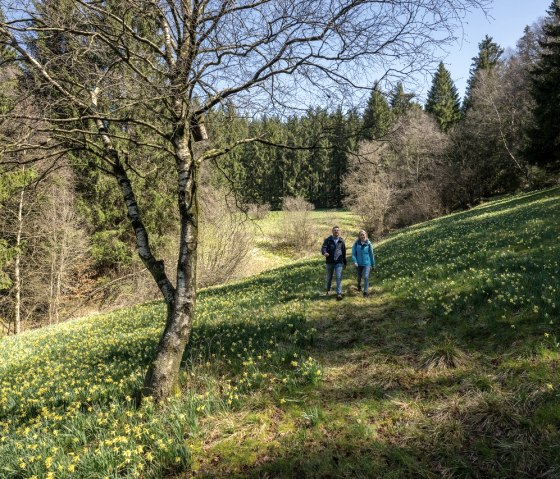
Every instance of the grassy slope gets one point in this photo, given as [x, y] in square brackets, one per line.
[450, 369]
[269, 251]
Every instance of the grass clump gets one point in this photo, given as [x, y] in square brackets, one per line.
[443, 355]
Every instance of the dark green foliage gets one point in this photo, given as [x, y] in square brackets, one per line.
[11, 183]
[301, 156]
[342, 140]
[378, 117]
[489, 53]
[443, 99]
[401, 101]
[545, 136]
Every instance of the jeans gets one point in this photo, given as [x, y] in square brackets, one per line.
[364, 271]
[336, 268]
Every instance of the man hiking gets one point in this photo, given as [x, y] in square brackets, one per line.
[334, 251]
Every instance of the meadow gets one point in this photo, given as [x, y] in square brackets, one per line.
[271, 249]
[449, 369]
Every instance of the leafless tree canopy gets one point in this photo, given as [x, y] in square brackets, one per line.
[129, 81]
[399, 181]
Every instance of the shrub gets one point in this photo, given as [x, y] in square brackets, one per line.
[258, 212]
[225, 240]
[297, 230]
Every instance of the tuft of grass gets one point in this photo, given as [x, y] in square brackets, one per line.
[444, 354]
[312, 416]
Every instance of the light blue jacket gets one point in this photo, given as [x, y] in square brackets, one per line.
[363, 253]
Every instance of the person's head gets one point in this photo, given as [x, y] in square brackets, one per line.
[362, 235]
[336, 231]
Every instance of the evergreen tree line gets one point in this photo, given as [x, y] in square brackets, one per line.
[396, 163]
[501, 137]
[302, 156]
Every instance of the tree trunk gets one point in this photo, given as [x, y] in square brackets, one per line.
[163, 372]
[17, 271]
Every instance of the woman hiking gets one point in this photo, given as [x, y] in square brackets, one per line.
[363, 259]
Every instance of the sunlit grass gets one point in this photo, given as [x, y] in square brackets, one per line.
[449, 369]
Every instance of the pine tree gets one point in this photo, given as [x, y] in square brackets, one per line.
[401, 102]
[443, 100]
[377, 118]
[489, 53]
[545, 136]
[528, 47]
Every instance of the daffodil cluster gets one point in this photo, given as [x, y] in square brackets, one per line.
[66, 392]
[500, 260]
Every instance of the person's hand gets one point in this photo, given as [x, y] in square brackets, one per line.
[326, 254]
[356, 265]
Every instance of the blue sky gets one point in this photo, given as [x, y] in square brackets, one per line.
[505, 22]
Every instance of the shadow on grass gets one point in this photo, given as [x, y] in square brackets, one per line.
[380, 414]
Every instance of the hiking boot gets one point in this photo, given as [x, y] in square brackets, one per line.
[359, 288]
[339, 297]
[328, 292]
[366, 295]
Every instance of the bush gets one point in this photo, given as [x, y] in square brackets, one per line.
[258, 212]
[225, 240]
[297, 230]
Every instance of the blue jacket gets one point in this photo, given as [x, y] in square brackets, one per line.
[363, 253]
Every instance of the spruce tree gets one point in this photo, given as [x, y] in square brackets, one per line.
[377, 118]
[401, 102]
[489, 53]
[443, 99]
[545, 136]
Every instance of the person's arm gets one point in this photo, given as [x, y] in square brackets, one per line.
[354, 254]
[371, 256]
[344, 252]
[324, 247]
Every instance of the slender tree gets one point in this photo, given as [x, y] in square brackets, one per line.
[378, 118]
[545, 136]
[443, 100]
[140, 76]
[401, 101]
[489, 53]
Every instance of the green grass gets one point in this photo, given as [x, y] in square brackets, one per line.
[270, 251]
[449, 369]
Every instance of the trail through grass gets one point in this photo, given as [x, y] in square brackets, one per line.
[449, 369]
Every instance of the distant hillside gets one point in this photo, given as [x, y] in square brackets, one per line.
[449, 369]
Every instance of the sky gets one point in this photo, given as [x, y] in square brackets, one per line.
[505, 22]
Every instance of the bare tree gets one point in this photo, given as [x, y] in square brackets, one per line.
[131, 81]
[368, 187]
[61, 241]
[398, 181]
[226, 239]
[491, 141]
